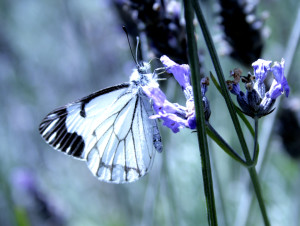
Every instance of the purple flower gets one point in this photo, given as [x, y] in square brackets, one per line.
[256, 102]
[174, 115]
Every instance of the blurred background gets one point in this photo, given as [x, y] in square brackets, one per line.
[54, 52]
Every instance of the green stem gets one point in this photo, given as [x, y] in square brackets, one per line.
[199, 110]
[257, 189]
[220, 75]
[223, 144]
[256, 150]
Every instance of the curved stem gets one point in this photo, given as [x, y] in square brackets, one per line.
[224, 145]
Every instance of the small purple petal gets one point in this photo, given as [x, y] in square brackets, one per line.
[261, 68]
[204, 85]
[266, 106]
[242, 100]
[278, 72]
[172, 121]
[180, 72]
[190, 115]
[155, 93]
[235, 89]
[188, 93]
[192, 121]
[174, 108]
[275, 90]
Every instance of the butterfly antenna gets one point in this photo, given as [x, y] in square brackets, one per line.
[137, 47]
[126, 32]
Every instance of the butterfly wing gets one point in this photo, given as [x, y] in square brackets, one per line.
[110, 129]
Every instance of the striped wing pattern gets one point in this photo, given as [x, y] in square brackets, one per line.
[110, 130]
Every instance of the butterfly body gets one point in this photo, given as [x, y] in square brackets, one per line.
[109, 129]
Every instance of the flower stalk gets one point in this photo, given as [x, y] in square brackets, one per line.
[256, 149]
[200, 118]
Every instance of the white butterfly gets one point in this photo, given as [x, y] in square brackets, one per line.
[109, 129]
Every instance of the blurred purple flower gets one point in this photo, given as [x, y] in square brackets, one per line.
[24, 180]
[43, 208]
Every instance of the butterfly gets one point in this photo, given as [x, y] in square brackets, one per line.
[110, 129]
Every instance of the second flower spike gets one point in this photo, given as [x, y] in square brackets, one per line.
[256, 102]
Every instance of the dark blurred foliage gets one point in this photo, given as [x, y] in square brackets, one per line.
[288, 127]
[160, 21]
[242, 29]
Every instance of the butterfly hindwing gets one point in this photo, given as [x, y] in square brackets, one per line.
[110, 129]
[124, 151]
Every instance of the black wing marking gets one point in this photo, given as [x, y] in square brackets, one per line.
[110, 129]
[54, 127]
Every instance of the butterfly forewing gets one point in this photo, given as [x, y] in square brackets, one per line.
[110, 129]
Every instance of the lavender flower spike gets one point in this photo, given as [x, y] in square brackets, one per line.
[256, 102]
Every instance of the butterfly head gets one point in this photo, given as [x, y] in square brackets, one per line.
[143, 68]
[142, 75]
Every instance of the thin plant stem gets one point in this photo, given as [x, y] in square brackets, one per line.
[219, 192]
[256, 150]
[220, 75]
[199, 110]
[257, 189]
